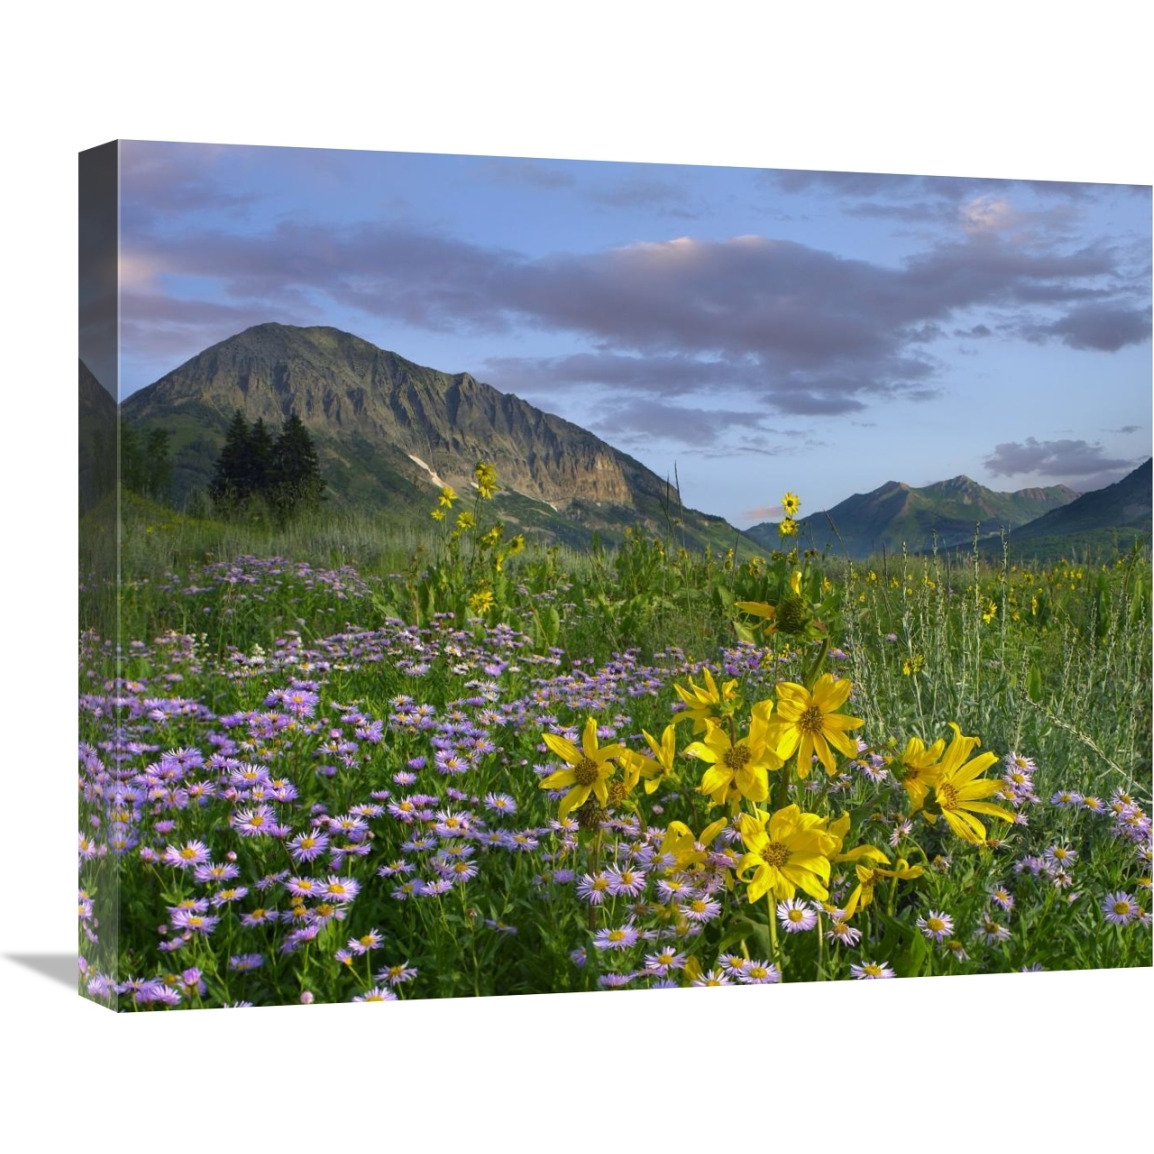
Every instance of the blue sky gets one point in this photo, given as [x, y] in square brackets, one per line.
[754, 330]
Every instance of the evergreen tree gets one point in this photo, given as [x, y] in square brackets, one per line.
[294, 481]
[158, 466]
[231, 483]
[260, 448]
[145, 467]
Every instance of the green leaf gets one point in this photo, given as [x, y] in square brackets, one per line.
[1034, 683]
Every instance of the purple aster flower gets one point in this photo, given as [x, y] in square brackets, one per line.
[1001, 897]
[245, 962]
[664, 960]
[796, 915]
[700, 910]
[500, 802]
[871, 970]
[232, 894]
[627, 881]
[617, 937]
[255, 822]
[376, 994]
[259, 917]
[842, 931]
[615, 981]
[593, 887]
[192, 853]
[308, 846]
[338, 889]
[196, 923]
[1120, 908]
[370, 941]
[993, 932]
[759, 973]
[395, 975]
[303, 887]
[208, 872]
[936, 926]
[715, 977]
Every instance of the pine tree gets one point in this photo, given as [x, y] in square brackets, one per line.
[295, 483]
[145, 467]
[259, 463]
[231, 484]
[158, 466]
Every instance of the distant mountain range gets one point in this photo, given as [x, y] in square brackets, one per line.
[389, 433]
[951, 513]
[1122, 510]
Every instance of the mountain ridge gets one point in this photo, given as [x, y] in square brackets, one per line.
[897, 514]
[388, 431]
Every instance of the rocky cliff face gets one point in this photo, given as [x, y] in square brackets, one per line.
[340, 386]
[388, 430]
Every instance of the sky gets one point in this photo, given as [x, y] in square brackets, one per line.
[745, 331]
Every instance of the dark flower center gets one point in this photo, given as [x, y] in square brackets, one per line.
[811, 720]
[775, 854]
[738, 757]
[586, 772]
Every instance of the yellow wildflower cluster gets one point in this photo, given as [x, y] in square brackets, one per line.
[790, 504]
[957, 794]
[485, 476]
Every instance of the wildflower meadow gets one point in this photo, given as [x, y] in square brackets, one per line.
[320, 769]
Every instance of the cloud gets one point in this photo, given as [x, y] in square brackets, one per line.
[1101, 327]
[1052, 459]
[643, 192]
[697, 427]
[763, 513]
[159, 180]
[661, 376]
[798, 329]
[530, 172]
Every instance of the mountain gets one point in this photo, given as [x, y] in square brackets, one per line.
[1123, 509]
[897, 514]
[389, 433]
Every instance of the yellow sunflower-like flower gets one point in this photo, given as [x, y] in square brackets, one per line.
[703, 702]
[447, 497]
[920, 769]
[958, 795]
[481, 601]
[789, 607]
[837, 829]
[787, 851]
[738, 769]
[686, 849]
[486, 477]
[656, 768]
[589, 768]
[868, 877]
[810, 724]
[791, 503]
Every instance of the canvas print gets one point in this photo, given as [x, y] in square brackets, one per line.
[511, 576]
